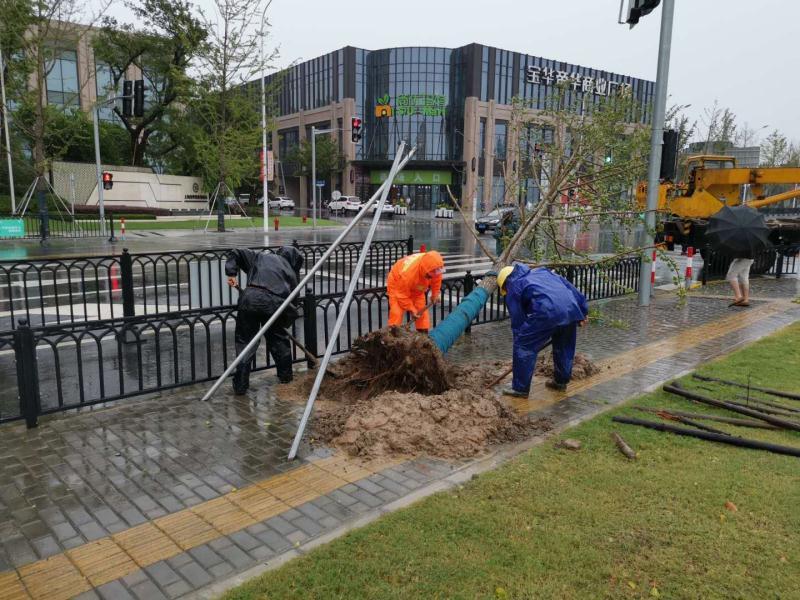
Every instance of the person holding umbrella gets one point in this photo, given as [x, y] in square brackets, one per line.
[739, 232]
[739, 278]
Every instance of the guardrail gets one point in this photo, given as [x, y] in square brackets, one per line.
[61, 367]
[106, 287]
[778, 261]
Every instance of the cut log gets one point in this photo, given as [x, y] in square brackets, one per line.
[623, 447]
[771, 392]
[730, 420]
[714, 437]
[783, 423]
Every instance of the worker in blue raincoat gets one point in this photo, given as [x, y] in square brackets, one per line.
[543, 307]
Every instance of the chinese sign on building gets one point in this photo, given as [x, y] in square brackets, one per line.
[599, 86]
[427, 105]
[412, 177]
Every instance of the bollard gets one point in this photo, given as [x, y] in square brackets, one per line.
[275, 223]
[688, 277]
[653, 271]
[469, 285]
[310, 323]
[122, 228]
[305, 218]
[111, 238]
[27, 374]
[410, 245]
[422, 248]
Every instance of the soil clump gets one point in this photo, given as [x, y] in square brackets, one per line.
[395, 394]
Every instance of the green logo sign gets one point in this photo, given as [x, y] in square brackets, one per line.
[12, 228]
[428, 105]
[414, 177]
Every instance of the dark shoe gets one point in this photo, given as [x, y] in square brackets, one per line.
[554, 385]
[510, 391]
[286, 379]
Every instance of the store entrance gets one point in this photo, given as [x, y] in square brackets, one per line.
[421, 197]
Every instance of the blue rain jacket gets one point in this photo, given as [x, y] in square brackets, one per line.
[543, 306]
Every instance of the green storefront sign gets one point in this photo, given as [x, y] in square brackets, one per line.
[12, 228]
[408, 105]
[411, 177]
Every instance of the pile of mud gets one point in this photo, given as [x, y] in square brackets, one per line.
[395, 394]
[582, 367]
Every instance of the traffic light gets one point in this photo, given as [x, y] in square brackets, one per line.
[138, 98]
[355, 126]
[669, 155]
[108, 180]
[127, 98]
[639, 8]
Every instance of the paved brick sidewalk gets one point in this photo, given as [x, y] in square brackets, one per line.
[163, 497]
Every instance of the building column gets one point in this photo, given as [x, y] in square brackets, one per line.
[488, 171]
[470, 155]
[303, 198]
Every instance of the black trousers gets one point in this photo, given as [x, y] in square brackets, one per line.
[248, 322]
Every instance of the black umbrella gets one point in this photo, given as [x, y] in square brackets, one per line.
[738, 231]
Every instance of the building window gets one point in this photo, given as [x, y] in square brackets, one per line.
[482, 138]
[498, 190]
[500, 140]
[62, 79]
[105, 89]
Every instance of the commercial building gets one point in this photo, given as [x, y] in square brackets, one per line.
[453, 103]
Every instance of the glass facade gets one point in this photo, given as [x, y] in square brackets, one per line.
[62, 79]
[420, 94]
[411, 94]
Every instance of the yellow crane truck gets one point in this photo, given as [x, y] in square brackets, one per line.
[713, 182]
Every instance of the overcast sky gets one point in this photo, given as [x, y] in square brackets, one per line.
[743, 53]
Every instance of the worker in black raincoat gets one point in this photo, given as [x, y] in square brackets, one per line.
[270, 280]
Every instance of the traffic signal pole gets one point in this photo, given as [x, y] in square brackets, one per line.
[656, 140]
[98, 169]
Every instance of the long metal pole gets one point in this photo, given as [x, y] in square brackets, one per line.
[313, 177]
[656, 140]
[344, 312]
[300, 286]
[8, 137]
[264, 127]
[100, 199]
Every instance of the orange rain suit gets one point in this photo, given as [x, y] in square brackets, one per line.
[407, 284]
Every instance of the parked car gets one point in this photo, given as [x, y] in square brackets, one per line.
[346, 203]
[244, 198]
[281, 203]
[388, 209]
[491, 219]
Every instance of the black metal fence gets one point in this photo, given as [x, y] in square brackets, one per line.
[778, 261]
[59, 367]
[126, 285]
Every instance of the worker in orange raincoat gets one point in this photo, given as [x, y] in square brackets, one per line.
[409, 280]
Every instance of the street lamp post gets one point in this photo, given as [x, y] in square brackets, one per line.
[264, 126]
[8, 137]
[656, 140]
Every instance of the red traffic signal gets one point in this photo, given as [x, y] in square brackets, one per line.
[108, 180]
[355, 126]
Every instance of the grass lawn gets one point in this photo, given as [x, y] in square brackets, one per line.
[284, 221]
[556, 523]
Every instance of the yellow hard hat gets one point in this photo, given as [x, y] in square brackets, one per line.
[501, 279]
